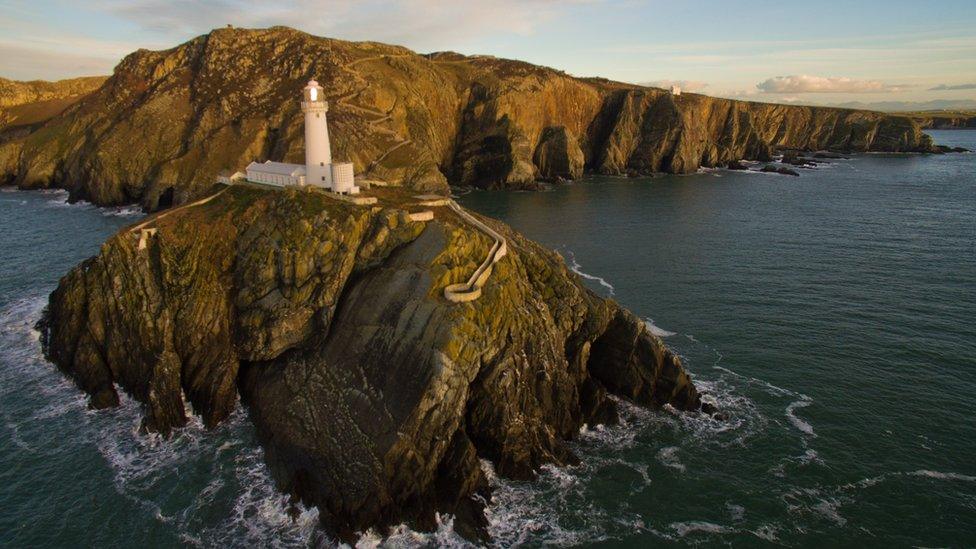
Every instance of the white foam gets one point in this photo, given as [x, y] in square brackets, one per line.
[146, 468]
[803, 426]
[766, 532]
[55, 192]
[830, 509]
[577, 268]
[538, 512]
[60, 200]
[942, 476]
[122, 211]
[669, 458]
[769, 387]
[813, 501]
[655, 330]
[403, 536]
[695, 526]
[737, 512]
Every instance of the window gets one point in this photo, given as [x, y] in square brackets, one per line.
[323, 178]
[321, 163]
[316, 115]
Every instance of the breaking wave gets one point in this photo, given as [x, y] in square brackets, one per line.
[803, 426]
[577, 268]
[160, 476]
[654, 329]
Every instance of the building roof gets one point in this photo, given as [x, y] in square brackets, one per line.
[277, 168]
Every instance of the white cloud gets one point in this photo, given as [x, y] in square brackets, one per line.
[819, 84]
[415, 23]
[686, 85]
[29, 51]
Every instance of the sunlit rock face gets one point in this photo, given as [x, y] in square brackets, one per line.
[166, 122]
[374, 396]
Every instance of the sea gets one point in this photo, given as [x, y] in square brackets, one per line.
[831, 316]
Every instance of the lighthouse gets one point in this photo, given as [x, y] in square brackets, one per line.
[319, 170]
[318, 152]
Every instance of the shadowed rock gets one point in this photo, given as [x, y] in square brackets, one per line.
[167, 122]
[373, 396]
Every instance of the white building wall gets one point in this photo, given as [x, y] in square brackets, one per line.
[278, 180]
[318, 151]
[343, 179]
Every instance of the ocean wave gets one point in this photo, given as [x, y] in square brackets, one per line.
[577, 268]
[655, 330]
[744, 419]
[669, 458]
[767, 386]
[942, 476]
[123, 211]
[813, 501]
[800, 424]
[60, 200]
[153, 472]
[536, 511]
[682, 529]
[403, 536]
[808, 457]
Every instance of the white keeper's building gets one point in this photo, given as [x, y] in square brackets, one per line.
[319, 170]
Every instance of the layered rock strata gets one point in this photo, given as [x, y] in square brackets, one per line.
[167, 122]
[373, 395]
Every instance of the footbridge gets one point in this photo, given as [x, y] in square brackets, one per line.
[471, 290]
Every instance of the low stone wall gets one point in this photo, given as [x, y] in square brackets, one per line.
[471, 290]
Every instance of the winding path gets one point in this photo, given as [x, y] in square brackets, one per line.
[144, 233]
[471, 290]
[383, 117]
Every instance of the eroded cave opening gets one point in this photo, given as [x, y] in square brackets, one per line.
[165, 199]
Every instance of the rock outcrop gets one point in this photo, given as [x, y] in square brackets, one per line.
[25, 104]
[941, 120]
[374, 397]
[166, 122]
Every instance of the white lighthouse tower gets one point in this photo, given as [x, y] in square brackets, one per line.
[318, 152]
[319, 170]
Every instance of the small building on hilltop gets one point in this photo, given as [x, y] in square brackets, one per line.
[675, 90]
[319, 170]
[279, 174]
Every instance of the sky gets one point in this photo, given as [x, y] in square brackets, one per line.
[819, 52]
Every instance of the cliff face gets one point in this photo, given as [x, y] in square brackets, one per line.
[373, 395]
[168, 121]
[25, 104]
[945, 121]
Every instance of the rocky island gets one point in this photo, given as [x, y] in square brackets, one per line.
[166, 122]
[374, 396]
[385, 346]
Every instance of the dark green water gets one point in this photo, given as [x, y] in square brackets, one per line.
[831, 315]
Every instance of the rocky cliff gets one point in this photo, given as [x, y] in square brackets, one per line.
[941, 120]
[166, 122]
[374, 397]
[27, 104]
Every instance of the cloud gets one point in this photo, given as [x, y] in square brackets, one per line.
[686, 85]
[952, 87]
[415, 23]
[819, 84]
[32, 50]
